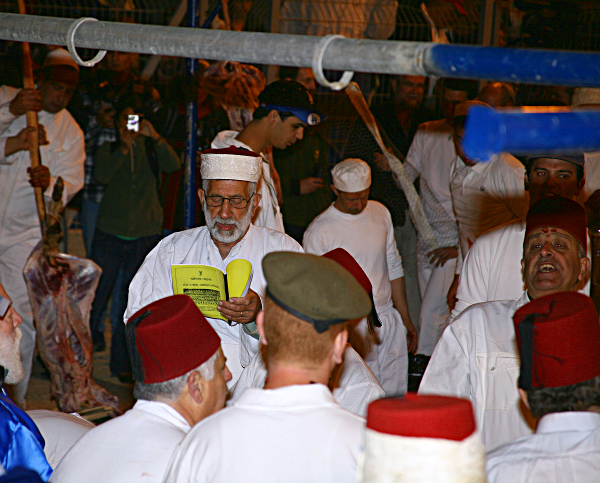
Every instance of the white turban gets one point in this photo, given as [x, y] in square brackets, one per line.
[231, 166]
[351, 175]
[59, 57]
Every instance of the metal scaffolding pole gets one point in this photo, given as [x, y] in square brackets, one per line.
[377, 56]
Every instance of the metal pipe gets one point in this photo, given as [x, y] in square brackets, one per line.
[362, 55]
[537, 130]
[191, 131]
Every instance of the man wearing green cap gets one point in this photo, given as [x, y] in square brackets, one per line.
[292, 430]
[285, 109]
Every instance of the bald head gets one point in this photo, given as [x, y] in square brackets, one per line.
[498, 94]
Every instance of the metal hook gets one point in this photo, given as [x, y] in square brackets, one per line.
[71, 45]
[317, 65]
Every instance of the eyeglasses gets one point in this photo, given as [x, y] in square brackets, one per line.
[235, 202]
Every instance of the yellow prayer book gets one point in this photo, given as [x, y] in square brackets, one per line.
[207, 285]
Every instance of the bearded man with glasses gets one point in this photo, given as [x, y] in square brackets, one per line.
[229, 200]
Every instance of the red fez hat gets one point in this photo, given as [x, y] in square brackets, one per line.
[416, 416]
[558, 212]
[347, 261]
[559, 340]
[169, 338]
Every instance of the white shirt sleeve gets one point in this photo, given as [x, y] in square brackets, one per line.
[394, 260]
[473, 285]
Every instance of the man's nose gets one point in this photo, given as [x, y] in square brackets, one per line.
[300, 133]
[547, 249]
[17, 320]
[226, 211]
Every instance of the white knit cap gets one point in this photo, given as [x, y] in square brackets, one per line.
[59, 57]
[231, 163]
[351, 175]
[585, 95]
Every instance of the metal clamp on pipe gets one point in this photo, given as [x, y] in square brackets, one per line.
[317, 65]
[71, 44]
[530, 130]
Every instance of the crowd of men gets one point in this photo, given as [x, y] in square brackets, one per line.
[304, 377]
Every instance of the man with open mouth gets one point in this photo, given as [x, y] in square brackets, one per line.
[477, 356]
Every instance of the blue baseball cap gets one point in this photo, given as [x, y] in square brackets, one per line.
[291, 96]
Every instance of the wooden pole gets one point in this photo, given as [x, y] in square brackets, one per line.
[32, 121]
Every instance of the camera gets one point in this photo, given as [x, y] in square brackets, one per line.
[133, 122]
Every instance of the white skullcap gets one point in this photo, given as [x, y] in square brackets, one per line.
[59, 57]
[351, 175]
[231, 163]
[585, 95]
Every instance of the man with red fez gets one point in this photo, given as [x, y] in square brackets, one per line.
[229, 199]
[491, 271]
[62, 154]
[180, 379]
[476, 356]
[364, 228]
[291, 430]
[559, 341]
[422, 439]
[285, 108]
[352, 383]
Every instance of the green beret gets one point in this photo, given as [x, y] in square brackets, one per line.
[315, 289]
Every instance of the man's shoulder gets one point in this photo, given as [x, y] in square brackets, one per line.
[273, 237]
[431, 127]
[513, 229]
[484, 311]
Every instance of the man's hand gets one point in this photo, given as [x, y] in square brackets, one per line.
[440, 256]
[412, 339]
[451, 296]
[26, 100]
[381, 161]
[106, 117]
[20, 142]
[39, 177]
[309, 185]
[147, 129]
[241, 309]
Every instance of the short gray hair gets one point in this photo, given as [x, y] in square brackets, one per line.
[251, 183]
[171, 389]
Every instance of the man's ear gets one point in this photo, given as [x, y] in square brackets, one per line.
[584, 268]
[273, 117]
[523, 395]
[196, 385]
[526, 182]
[580, 185]
[260, 324]
[334, 189]
[339, 346]
[256, 202]
[201, 197]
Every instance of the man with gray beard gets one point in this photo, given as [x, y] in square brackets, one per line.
[21, 444]
[229, 200]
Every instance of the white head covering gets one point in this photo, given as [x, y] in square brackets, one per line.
[351, 175]
[59, 57]
[231, 163]
[585, 95]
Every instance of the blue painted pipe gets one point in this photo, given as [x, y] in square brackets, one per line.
[191, 128]
[530, 130]
[514, 65]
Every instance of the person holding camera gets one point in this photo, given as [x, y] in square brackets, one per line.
[130, 217]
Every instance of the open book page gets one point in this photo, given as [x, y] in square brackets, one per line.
[239, 277]
[204, 284]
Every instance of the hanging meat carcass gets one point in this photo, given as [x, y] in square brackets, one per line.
[61, 290]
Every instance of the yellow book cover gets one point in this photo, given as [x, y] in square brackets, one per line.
[207, 285]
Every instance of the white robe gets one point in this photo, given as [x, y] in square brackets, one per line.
[355, 388]
[486, 195]
[369, 238]
[268, 214]
[135, 447]
[564, 448]
[153, 281]
[19, 222]
[477, 359]
[292, 434]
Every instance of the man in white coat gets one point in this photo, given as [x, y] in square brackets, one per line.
[559, 341]
[180, 375]
[364, 229]
[62, 154]
[285, 108]
[476, 356]
[228, 196]
[491, 271]
[292, 430]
